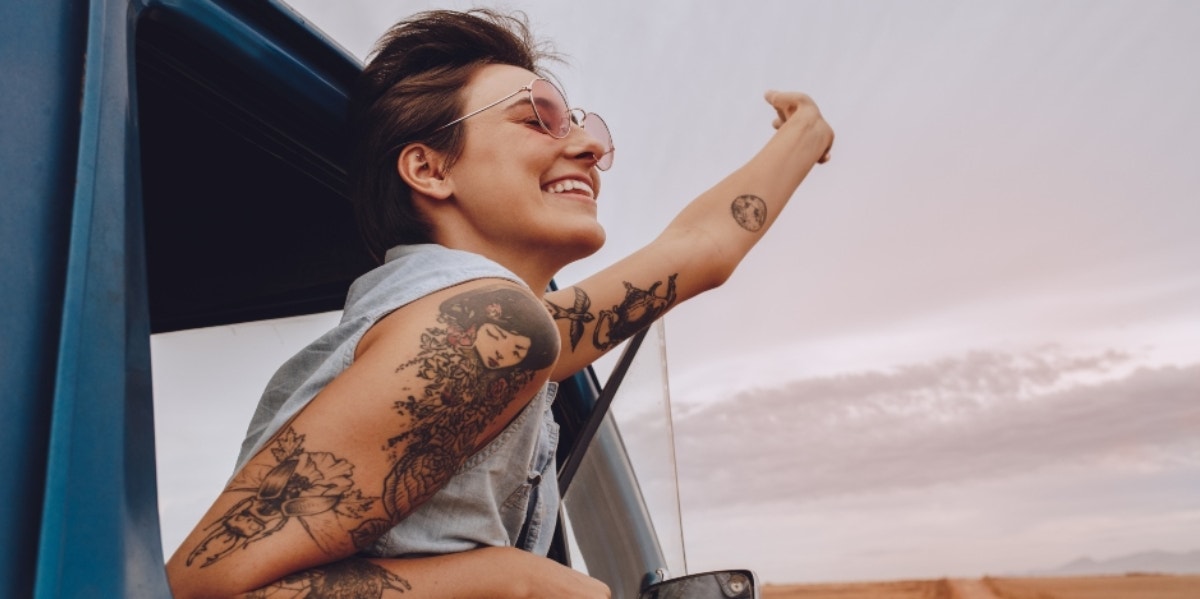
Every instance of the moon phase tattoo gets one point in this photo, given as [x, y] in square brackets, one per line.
[313, 488]
[578, 314]
[490, 345]
[749, 211]
[638, 310]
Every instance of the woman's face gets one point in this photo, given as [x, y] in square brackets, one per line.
[516, 185]
[498, 348]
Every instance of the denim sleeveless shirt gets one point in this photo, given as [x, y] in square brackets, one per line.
[506, 494]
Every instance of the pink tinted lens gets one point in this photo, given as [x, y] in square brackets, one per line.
[551, 108]
[597, 128]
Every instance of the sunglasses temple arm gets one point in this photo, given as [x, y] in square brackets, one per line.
[464, 117]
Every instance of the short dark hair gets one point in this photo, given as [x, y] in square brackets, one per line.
[412, 85]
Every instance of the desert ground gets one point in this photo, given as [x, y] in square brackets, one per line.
[1131, 586]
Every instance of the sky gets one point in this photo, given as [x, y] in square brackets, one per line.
[970, 344]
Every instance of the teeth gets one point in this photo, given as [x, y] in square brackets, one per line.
[568, 185]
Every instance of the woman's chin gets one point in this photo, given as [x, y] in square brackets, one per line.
[582, 244]
[593, 241]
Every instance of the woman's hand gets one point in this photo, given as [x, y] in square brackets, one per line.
[799, 109]
[544, 578]
[701, 247]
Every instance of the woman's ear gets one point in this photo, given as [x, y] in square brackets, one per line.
[424, 170]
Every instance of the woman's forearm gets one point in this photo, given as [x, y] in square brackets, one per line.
[491, 572]
[736, 212]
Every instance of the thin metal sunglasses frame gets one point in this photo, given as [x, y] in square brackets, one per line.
[528, 87]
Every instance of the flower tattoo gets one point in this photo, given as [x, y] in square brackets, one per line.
[313, 488]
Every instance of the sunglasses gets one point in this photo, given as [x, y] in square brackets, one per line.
[553, 114]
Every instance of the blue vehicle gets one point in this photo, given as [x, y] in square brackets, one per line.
[172, 164]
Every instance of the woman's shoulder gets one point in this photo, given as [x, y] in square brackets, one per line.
[412, 272]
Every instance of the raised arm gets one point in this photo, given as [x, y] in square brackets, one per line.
[700, 248]
[430, 383]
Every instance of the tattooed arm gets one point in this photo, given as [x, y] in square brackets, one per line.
[701, 247]
[484, 573]
[430, 384]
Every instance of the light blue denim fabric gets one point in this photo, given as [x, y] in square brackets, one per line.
[485, 503]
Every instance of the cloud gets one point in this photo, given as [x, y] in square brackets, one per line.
[983, 415]
[1031, 521]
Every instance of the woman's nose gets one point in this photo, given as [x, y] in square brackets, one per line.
[585, 145]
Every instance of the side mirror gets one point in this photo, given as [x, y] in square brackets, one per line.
[726, 584]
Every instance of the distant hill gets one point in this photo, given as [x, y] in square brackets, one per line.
[1156, 562]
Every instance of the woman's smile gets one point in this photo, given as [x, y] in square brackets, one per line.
[571, 186]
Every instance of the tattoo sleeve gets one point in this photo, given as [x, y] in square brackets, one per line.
[749, 211]
[638, 310]
[488, 346]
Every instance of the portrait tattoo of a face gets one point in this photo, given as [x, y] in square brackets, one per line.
[488, 345]
[749, 211]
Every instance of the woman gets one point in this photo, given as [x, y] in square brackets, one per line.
[410, 450]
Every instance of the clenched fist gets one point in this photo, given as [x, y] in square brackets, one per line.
[797, 109]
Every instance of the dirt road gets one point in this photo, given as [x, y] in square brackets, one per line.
[971, 589]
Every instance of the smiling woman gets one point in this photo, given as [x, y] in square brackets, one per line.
[988, 202]
[412, 444]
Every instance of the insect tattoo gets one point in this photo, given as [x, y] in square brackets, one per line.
[352, 577]
[577, 314]
[749, 211]
[489, 345]
[638, 310]
[314, 489]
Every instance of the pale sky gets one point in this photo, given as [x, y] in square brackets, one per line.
[970, 344]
